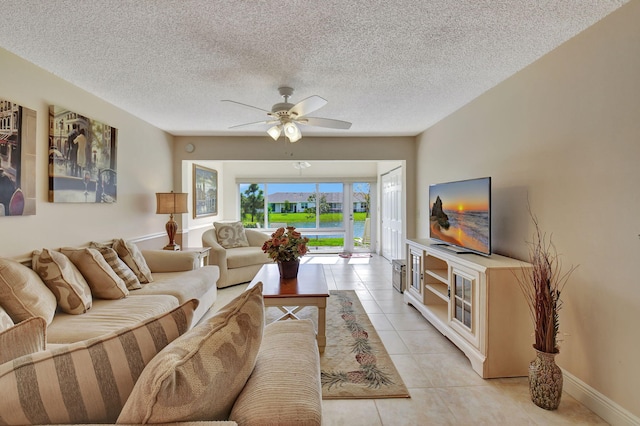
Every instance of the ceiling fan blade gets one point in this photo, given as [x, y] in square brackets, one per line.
[325, 122]
[249, 106]
[308, 105]
[255, 122]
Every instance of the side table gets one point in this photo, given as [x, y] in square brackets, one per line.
[203, 254]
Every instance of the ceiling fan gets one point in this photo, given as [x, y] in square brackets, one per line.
[286, 116]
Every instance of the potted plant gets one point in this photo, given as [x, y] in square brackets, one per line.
[542, 284]
[286, 248]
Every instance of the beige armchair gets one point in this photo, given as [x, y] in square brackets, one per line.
[239, 264]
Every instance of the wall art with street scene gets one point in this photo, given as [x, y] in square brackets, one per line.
[17, 160]
[82, 159]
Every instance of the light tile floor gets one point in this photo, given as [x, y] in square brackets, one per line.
[444, 389]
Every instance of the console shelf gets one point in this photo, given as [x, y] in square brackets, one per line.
[476, 302]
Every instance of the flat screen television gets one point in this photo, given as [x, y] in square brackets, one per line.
[460, 215]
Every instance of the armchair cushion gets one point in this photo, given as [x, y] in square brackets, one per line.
[231, 234]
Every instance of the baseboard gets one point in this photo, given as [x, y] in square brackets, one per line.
[609, 410]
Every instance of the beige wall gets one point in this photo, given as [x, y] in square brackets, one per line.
[565, 133]
[235, 157]
[144, 167]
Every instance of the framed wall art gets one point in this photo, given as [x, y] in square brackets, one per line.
[205, 191]
[82, 159]
[17, 160]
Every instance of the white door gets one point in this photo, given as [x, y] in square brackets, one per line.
[392, 241]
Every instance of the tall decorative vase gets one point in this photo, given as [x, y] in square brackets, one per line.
[545, 381]
[288, 268]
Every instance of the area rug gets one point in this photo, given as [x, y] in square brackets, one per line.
[355, 363]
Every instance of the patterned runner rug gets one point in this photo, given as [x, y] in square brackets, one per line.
[355, 363]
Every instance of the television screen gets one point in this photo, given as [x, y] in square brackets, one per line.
[460, 214]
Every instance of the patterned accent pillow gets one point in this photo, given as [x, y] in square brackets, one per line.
[5, 320]
[88, 381]
[200, 375]
[119, 267]
[231, 234]
[23, 293]
[24, 338]
[131, 255]
[64, 280]
[104, 283]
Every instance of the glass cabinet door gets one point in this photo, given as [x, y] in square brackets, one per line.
[463, 297]
[415, 258]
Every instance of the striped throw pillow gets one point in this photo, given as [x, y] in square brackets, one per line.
[119, 267]
[200, 375]
[24, 338]
[88, 381]
[131, 255]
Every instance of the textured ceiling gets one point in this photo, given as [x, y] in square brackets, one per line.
[390, 67]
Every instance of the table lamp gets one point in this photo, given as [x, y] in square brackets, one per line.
[171, 203]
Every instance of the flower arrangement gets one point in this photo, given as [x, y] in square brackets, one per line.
[542, 285]
[286, 245]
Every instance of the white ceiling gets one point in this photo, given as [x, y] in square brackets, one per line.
[392, 68]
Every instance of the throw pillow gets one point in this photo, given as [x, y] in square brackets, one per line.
[231, 234]
[23, 293]
[88, 381]
[131, 255]
[104, 283]
[119, 267]
[5, 320]
[64, 280]
[24, 338]
[200, 375]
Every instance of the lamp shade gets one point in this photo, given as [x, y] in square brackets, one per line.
[171, 202]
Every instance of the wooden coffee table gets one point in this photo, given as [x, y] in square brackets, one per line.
[292, 294]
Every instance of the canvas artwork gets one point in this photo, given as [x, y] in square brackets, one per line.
[205, 191]
[17, 160]
[82, 159]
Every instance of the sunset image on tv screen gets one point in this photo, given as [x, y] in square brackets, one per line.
[460, 213]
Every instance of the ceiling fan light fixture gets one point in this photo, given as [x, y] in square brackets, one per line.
[292, 132]
[275, 132]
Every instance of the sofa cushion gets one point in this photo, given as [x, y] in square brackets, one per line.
[5, 320]
[131, 255]
[23, 338]
[182, 285]
[104, 282]
[119, 267]
[23, 293]
[64, 280]
[231, 234]
[107, 316]
[282, 387]
[89, 381]
[199, 376]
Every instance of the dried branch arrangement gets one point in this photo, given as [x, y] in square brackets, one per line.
[542, 285]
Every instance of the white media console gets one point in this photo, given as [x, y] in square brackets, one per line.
[476, 302]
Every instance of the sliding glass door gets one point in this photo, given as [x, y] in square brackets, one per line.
[335, 216]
